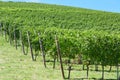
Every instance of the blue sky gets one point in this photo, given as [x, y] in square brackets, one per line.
[104, 5]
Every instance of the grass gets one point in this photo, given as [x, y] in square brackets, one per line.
[16, 66]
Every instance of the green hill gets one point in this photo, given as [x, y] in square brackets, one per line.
[45, 15]
[72, 32]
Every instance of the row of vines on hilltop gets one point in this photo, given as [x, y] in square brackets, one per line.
[65, 18]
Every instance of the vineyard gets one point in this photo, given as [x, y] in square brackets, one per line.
[64, 34]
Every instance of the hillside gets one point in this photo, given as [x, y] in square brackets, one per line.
[45, 15]
[75, 35]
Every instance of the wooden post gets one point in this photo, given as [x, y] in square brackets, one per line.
[20, 39]
[1, 26]
[31, 50]
[69, 68]
[87, 65]
[87, 70]
[0, 29]
[60, 57]
[102, 72]
[96, 67]
[42, 50]
[22, 44]
[9, 35]
[5, 34]
[54, 61]
[15, 39]
[83, 67]
[110, 68]
[117, 72]
[69, 71]
[117, 69]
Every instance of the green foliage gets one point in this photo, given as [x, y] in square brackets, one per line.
[92, 34]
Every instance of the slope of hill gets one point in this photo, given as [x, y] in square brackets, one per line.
[79, 32]
[45, 15]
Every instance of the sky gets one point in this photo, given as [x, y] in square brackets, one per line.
[104, 5]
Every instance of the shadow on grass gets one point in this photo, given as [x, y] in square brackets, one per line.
[104, 70]
[92, 70]
[90, 79]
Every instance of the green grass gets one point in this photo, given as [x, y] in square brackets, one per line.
[16, 66]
